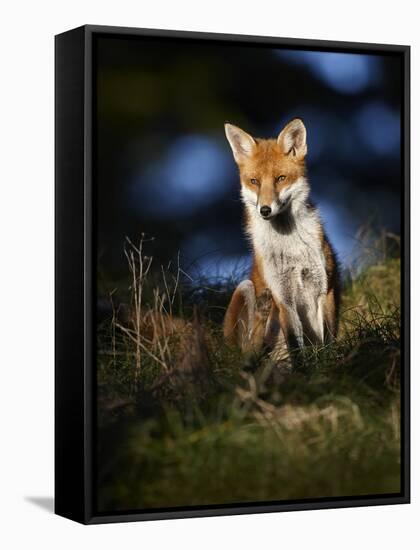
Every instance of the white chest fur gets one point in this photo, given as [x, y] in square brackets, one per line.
[291, 257]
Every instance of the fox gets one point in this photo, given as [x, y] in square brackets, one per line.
[292, 297]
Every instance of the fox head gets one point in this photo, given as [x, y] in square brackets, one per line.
[272, 171]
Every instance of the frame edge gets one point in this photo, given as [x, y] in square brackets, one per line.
[70, 450]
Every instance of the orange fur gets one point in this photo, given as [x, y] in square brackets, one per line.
[265, 165]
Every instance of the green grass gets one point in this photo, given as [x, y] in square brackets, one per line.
[223, 428]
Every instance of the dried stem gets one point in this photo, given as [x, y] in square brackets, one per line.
[157, 319]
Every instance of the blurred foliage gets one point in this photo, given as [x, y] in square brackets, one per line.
[152, 96]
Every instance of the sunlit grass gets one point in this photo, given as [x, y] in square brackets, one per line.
[210, 426]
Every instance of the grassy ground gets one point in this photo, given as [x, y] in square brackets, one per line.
[184, 420]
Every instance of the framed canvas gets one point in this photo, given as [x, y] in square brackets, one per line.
[232, 274]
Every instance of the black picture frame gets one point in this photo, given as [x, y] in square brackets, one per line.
[75, 284]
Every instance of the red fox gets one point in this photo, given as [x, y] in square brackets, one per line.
[293, 293]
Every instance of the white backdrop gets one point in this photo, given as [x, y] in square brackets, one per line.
[26, 270]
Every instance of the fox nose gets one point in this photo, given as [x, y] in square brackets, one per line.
[265, 211]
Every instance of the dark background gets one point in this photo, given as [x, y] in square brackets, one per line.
[164, 166]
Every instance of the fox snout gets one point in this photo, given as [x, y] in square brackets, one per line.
[268, 211]
[265, 211]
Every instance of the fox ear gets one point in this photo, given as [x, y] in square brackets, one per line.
[293, 138]
[241, 143]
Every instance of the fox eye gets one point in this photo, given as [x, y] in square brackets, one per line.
[254, 181]
[280, 178]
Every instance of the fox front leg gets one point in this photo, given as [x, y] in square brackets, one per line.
[291, 325]
[312, 317]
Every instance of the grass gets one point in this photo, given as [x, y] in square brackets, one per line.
[184, 420]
